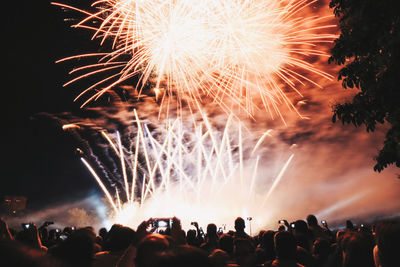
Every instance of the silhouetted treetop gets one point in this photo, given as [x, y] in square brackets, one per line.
[369, 49]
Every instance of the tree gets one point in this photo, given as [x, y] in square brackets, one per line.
[369, 49]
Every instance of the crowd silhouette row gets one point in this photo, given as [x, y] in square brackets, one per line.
[301, 243]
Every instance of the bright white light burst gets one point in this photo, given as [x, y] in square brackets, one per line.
[204, 175]
[238, 53]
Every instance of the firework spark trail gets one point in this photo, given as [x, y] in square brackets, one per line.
[182, 170]
[238, 52]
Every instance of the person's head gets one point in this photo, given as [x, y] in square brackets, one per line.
[191, 237]
[226, 243]
[357, 250]
[103, 232]
[267, 243]
[312, 220]
[258, 238]
[267, 239]
[349, 225]
[149, 250]
[219, 258]
[387, 243]
[300, 227]
[118, 238]
[239, 224]
[212, 231]
[285, 245]
[78, 249]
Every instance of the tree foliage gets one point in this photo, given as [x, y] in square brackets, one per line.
[369, 50]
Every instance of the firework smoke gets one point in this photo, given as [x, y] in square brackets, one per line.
[190, 171]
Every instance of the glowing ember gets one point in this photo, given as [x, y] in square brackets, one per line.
[199, 176]
[240, 53]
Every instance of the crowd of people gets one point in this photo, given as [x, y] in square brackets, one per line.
[297, 244]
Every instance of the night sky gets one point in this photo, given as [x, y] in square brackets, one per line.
[39, 159]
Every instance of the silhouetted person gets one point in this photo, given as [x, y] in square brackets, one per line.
[219, 258]
[30, 237]
[191, 238]
[357, 250]
[226, 244]
[103, 233]
[303, 235]
[387, 249]
[349, 225]
[265, 250]
[285, 248]
[316, 230]
[239, 229]
[150, 249]
[78, 250]
[117, 240]
[211, 238]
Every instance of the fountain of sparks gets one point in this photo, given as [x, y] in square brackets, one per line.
[237, 53]
[201, 174]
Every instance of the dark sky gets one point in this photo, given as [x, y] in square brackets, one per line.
[38, 158]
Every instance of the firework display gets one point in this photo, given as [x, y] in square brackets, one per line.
[237, 53]
[242, 55]
[189, 174]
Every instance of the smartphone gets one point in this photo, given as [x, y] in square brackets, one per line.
[25, 226]
[292, 225]
[323, 222]
[162, 223]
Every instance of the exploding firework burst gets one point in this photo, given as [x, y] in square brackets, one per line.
[238, 53]
[195, 175]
